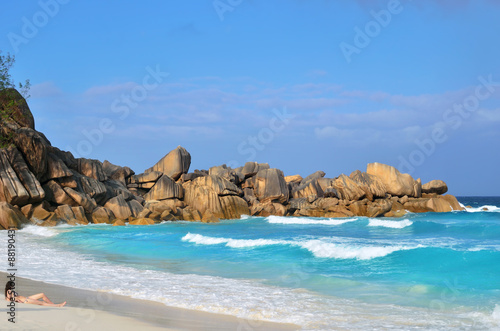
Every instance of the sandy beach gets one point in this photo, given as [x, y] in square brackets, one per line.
[92, 310]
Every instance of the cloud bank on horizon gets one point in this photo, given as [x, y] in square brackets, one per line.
[417, 86]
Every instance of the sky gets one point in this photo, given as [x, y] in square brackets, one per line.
[302, 85]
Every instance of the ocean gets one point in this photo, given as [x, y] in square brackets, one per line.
[430, 271]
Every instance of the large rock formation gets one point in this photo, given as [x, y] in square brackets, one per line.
[43, 185]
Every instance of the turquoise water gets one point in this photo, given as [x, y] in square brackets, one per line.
[432, 270]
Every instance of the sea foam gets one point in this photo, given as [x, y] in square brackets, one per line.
[489, 208]
[390, 224]
[308, 221]
[319, 248]
[39, 231]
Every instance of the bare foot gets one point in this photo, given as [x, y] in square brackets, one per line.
[61, 304]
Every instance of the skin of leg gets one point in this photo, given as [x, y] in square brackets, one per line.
[40, 296]
[41, 303]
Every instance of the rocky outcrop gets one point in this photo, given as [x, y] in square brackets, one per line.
[435, 186]
[46, 186]
[174, 164]
[396, 183]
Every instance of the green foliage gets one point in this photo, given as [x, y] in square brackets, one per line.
[8, 102]
[6, 81]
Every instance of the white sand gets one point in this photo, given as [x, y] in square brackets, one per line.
[92, 310]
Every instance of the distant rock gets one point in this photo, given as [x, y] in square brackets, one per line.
[435, 186]
[174, 164]
[396, 183]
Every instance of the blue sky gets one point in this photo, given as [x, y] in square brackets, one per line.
[303, 85]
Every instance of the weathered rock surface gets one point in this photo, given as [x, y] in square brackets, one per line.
[31, 184]
[56, 168]
[81, 199]
[270, 186]
[117, 173]
[165, 188]
[91, 168]
[11, 189]
[11, 217]
[102, 215]
[119, 207]
[251, 169]
[372, 185]
[396, 183]
[435, 186]
[149, 177]
[174, 164]
[56, 194]
[32, 144]
[310, 188]
[347, 189]
[293, 179]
